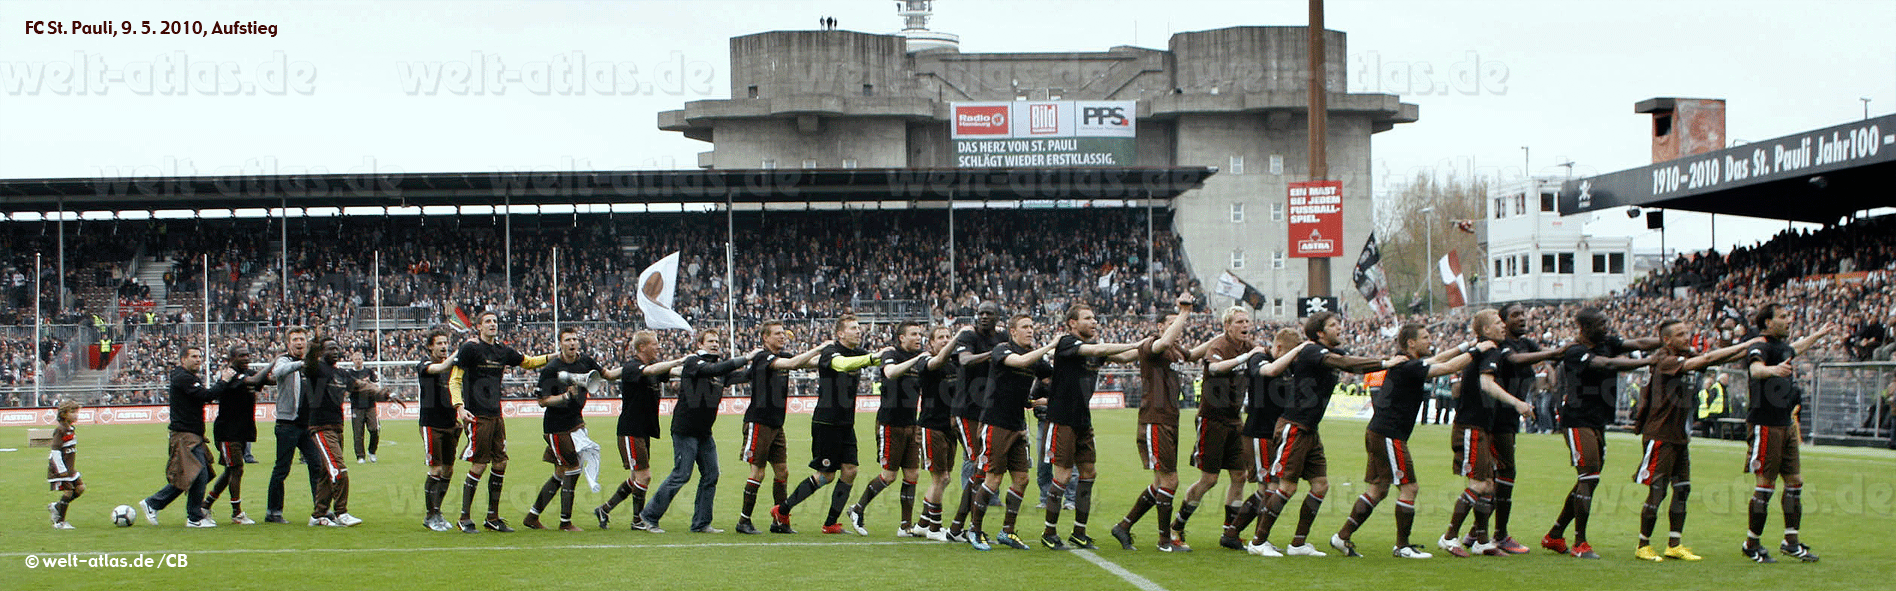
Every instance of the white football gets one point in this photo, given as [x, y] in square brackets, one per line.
[122, 516]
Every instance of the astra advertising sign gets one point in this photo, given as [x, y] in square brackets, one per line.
[1316, 219]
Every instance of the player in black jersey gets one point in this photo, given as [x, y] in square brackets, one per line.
[236, 428]
[971, 351]
[938, 435]
[1589, 387]
[1775, 433]
[640, 382]
[764, 443]
[1270, 390]
[440, 438]
[833, 425]
[1387, 436]
[474, 385]
[1076, 363]
[898, 443]
[1016, 365]
[1478, 398]
[562, 392]
[1514, 372]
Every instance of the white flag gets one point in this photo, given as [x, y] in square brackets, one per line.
[656, 285]
[1230, 286]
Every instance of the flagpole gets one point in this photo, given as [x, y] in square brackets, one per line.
[39, 366]
[377, 304]
[730, 275]
[556, 294]
[204, 290]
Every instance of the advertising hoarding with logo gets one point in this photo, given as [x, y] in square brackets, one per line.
[1316, 219]
[1043, 133]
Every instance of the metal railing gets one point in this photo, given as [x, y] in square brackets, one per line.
[1850, 401]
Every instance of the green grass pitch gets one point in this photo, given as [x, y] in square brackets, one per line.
[1848, 505]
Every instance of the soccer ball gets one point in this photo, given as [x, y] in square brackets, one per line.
[122, 516]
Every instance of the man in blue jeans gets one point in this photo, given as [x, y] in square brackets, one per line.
[292, 429]
[701, 388]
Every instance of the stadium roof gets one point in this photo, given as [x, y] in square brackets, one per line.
[595, 187]
[1817, 176]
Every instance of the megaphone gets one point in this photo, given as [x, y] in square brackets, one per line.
[592, 381]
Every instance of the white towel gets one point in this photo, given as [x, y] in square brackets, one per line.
[588, 457]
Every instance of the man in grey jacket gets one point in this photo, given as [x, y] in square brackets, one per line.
[292, 428]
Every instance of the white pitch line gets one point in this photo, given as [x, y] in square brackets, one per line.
[457, 549]
[1144, 584]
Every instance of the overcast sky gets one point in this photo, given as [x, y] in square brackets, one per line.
[349, 87]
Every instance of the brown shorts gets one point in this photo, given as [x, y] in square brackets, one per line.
[1158, 447]
[1003, 451]
[635, 453]
[1389, 461]
[1258, 449]
[438, 445]
[763, 445]
[1220, 447]
[897, 448]
[1671, 461]
[230, 453]
[329, 449]
[1773, 452]
[1474, 452]
[1297, 453]
[938, 451]
[970, 432]
[486, 441]
[1503, 446]
[62, 485]
[560, 449]
[1586, 449]
[1068, 446]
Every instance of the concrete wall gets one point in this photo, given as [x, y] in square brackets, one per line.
[1254, 59]
[872, 142]
[789, 63]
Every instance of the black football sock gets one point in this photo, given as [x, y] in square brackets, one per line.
[1463, 504]
[751, 487]
[804, 490]
[1760, 509]
[1680, 490]
[869, 493]
[469, 486]
[1649, 511]
[1405, 521]
[1793, 513]
[908, 503]
[1273, 507]
[1056, 495]
[1503, 501]
[547, 490]
[1583, 507]
[1306, 516]
[1358, 514]
[1013, 510]
[1163, 502]
[618, 496]
[1185, 512]
[1082, 506]
[567, 482]
[494, 480]
[839, 500]
[1139, 507]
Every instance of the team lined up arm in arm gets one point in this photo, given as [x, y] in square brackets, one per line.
[1028, 359]
[853, 363]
